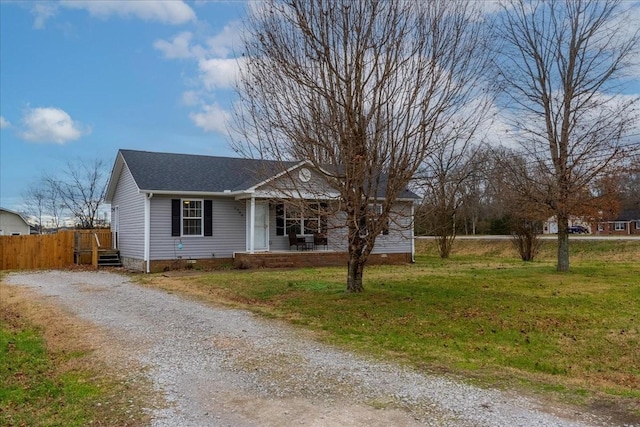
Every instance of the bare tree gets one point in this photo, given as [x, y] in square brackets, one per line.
[34, 200]
[445, 177]
[562, 65]
[362, 86]
[42, 200]
[82, 190]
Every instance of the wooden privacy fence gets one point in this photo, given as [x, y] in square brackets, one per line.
[49, 250]
[84, 241]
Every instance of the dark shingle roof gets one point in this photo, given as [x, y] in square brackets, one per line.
[188, 172]
[209, 174]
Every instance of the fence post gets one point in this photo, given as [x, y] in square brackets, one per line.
[94, 251]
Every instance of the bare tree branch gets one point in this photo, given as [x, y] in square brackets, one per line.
[360, 89]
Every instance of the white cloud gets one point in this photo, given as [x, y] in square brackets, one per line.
[217, 69]
[42, 12]
[212, 118]
[51, 125]
[190, 98]
[4, 123]
[179, 47]
[223, 43]
[172, 12]
[219, 73]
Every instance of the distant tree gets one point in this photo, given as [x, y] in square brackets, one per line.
[42, 200]
[561, 67]
[82, 191]
[34, 201]
[444, 179]
[360, 89]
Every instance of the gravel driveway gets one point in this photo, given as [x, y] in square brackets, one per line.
[222, 367]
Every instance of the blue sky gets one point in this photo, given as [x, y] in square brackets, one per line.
[81, 79]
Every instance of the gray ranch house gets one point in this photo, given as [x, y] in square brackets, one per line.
[172, 211]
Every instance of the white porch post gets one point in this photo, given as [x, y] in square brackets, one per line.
[252, 224]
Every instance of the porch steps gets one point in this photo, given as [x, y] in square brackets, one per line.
[109, 258]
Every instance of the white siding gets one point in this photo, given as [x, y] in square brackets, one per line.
[13, 224]
[131, 210]
[228, 231]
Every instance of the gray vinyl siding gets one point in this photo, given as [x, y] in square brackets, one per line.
[131, 223]
[399, 239]
[228, 231]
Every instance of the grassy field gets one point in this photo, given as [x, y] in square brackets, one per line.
[49, 375]
[483, 314]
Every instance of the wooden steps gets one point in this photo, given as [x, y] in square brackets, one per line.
[109, 258]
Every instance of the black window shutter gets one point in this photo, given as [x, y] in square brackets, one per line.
[175, 217]
[279, 219]
[208, 218]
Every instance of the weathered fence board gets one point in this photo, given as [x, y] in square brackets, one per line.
[49, 250]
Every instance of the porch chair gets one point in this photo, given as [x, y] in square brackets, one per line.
[295, 241]
[320, 240]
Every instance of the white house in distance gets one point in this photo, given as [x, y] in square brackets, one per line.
[13, 224]
[171, 209]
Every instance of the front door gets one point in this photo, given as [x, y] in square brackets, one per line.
[261, 227]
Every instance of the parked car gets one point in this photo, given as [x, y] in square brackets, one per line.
[578, 229]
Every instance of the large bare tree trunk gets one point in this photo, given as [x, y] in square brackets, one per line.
[563, 242]
[355, 270]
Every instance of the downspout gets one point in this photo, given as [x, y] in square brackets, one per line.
[252, 224]
[147, 230]
[413, 237]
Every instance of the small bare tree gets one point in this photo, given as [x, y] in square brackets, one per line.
[42, 200]
[444, 178]
[561, 68]
[359, 89]
[82, 190]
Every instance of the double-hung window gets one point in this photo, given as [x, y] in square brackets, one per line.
[192, 217]
[620, 226]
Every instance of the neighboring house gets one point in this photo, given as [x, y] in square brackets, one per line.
[210, 210]
[626, 223]
[550, 226]
[13, 224]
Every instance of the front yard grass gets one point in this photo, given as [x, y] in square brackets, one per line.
[482, 314]
[49, 375]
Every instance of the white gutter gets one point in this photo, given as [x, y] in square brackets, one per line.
[226, 193]
[147, 230]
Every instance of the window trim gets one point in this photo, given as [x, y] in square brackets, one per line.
[312, 212]
[620, 226]
[199, 218]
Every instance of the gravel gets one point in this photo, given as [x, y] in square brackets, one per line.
[223, 367]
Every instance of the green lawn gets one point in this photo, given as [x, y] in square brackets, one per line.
[482, 313]
[61, 386]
